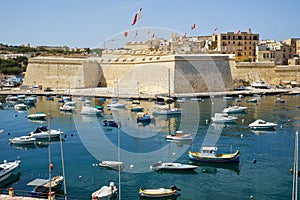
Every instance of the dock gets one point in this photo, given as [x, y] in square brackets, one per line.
[7, 197]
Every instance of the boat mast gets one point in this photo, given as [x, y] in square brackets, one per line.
[49, 152]
[63, 165]
[295, 171]
[169, 90]
[119, 159]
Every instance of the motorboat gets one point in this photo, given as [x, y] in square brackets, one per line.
[42, 186]
[259, 84]
[111, 164]
[279, 100]
[22, 140]
[6, 168]
[110, 123]
[223, 118]
[116, 105]
[42, 132]
[69, 106]
[20, 106]
[37, 116]
[172, 166]
[234, 109]
[181, 100]
[196, 99]
[136, 108]
[179, 135]
[143, 117]
[227, 98]
[209, 154]
[253, 100]
[158, 192]
[107, 192]
[167, 111]
[261, 124]
[87, 110]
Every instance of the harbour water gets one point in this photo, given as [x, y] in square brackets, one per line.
[86, 141]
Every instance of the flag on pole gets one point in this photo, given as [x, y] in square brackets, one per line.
[136, 34]
[126, 33]
[193, 26]
[215, 32]
[153, 36]
[238, 32]
[137, 16]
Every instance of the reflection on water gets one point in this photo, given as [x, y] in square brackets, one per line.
[212, 168]
[11, 179]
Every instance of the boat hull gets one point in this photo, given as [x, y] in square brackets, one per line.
[219, 158]
[157, 193]
[8, 168]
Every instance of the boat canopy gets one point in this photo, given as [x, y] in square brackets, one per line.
[209, 149]
[41, 129]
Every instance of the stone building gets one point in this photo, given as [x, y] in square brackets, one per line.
[278, 52]
[242, 44]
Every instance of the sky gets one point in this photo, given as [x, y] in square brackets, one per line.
[87, 23]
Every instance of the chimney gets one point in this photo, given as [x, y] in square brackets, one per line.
[249, 31]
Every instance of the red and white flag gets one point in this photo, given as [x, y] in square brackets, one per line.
[137, 16]
[153, 36]
[215, 32]
[238, 32]
[193, 26]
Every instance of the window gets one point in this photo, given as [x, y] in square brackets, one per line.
[224, 37]
[239, 37]
[233, 42]
[233, 37]
[228, 37]
[254, 37]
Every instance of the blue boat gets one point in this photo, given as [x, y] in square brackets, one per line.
[110, 123]
[143, 117]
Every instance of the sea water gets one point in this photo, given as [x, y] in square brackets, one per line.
[265, 159]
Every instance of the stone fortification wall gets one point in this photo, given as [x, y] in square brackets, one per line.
[265, 71]
[61, 73]
[202, 73]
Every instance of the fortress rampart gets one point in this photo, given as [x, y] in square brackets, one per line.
[143, 72]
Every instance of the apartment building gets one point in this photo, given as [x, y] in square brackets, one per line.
[242, 44]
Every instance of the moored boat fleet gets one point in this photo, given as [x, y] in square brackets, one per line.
[206, 154]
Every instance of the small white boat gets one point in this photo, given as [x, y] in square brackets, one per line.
[6, 168]
[253, 100]
[136, 108]
[167, 111]
[37, 116]
[181, 100]
[259, 84]
[107, 192]
[196, 99]
[42, 132]
[87, 110]
[223, 118]
[261, 124]
[68, 106]
[179, 135]
[234, 109]
[22, 140]
[111, 164]
[20, 106]
[116, 105]
[158, 192]
[172, 166]
[227, 98]
[279, 100]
